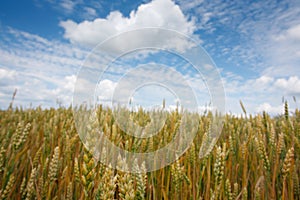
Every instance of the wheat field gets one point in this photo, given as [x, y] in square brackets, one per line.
[42, 157]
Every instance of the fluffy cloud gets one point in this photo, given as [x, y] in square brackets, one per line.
[273, 110]
[69, 82]
[290, 85]
[157, 13]
[37, 91]
[104, 90]
[264, 80]
[293, 33]
[263, 93]
[7, 74]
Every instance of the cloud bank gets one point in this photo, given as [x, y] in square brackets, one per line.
[157, 13]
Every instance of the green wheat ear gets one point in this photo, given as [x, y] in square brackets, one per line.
[107, 186]
[207, 145]
[69, 195]
[245, 194]
[262, 153]
[296, 182]
[286, 110]
[76, 171]
[88, 174]
[228, 192]
[219, 168]
[8, 188]
[178, 175]
[140, 179]
[2, 160]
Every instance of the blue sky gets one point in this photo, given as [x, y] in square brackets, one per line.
[254, 44]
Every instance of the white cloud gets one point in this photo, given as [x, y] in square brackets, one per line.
[105, 90]
[89, 12]
[282, 50]
[7, 74]
[70, 82]
[261, 84]
[264, 35]
[36, 91]
[157, 13]
[68, 5]
[293, 33]
[277, 44]
[261, 93]
[189, 4]
[42, 70]
[273, 110]
[79, 8]
[43, 76]
[148, 85]
[290, 85]
[264, 80]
